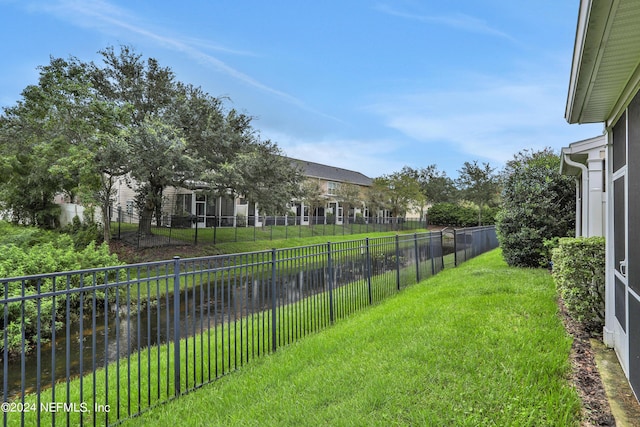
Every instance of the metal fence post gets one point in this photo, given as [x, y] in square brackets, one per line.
[176, 323]
[368, 254]
[255, 227]
[330, 272]
[455, 247]
[398, 261]
[433, 259]
[5, 357]
[273, 300]
[415, 241]
[442, 249]
[119, 221]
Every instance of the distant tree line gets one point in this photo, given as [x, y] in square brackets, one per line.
[470, 199]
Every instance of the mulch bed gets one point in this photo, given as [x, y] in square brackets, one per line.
[585, 376]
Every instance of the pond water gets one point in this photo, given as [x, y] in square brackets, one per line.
[84, 346]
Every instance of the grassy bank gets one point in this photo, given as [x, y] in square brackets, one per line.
[263, 235]
[477, 345]
[160, 278]
[131, 255]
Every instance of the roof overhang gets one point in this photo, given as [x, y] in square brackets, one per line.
[604, 72]
[192, 184]
[579, 152]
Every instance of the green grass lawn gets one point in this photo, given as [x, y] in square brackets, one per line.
[292, 242]
[477, 345]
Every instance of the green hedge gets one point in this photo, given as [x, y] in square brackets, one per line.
[579, 273]
[456, 215]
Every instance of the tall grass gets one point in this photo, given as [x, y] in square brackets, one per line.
[477, 345]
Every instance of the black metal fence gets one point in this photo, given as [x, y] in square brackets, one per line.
[102, 345]
[181, 230]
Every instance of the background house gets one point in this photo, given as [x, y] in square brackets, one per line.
[332, 206]
[604, 84]
[182, 204]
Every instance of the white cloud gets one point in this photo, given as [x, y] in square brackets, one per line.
[370, 157]
[458, 21]
[107, 18]
[492, 119]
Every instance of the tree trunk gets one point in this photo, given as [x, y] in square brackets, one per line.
[104, 198]
[157, 196]
[144, 226]
[106, 222]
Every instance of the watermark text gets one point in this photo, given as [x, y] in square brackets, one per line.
[54, 407]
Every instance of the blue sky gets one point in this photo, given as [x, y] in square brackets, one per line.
[365, 85]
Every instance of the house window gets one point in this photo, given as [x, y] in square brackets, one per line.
[332, 188]
[183, 204]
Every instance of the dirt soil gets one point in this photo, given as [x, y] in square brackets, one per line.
[130, 255]
[585, 375]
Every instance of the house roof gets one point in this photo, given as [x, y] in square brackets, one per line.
[604, 73]
[332, 173]
[578, 152]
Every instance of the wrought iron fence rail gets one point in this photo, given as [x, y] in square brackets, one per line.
[102, 345]
[220, 229]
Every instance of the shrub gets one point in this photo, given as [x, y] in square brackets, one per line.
[83, 233]
[40, 253]
[23, 236]
[538, 205]
[456, 215]
[579, 273]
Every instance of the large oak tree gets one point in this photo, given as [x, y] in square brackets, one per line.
[85, 124]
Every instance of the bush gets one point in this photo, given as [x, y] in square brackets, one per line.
[83, 233]
[538, 205]
[455, 215]
[23, 236]
[579, 273]
[26, 252]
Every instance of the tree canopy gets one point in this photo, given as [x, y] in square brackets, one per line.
[478, 184]
[84, 124]
[436, 186]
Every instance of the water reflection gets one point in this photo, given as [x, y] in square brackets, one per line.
[82, 347]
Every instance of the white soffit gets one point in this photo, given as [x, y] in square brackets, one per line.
[605, 60]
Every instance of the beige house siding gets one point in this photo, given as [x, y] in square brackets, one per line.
[329, 179]
[181, 202]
